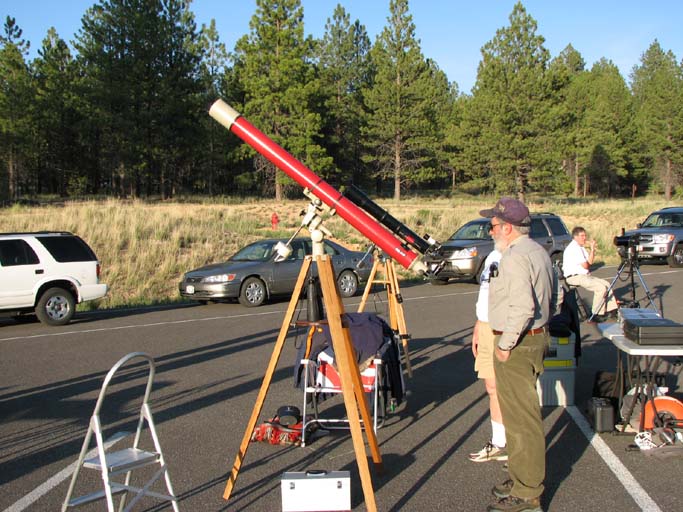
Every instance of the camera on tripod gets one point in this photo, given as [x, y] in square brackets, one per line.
[627, 240]
[627, 244]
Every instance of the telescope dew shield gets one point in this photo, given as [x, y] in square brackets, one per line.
[364, 223]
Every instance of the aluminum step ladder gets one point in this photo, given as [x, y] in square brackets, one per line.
[125, 460]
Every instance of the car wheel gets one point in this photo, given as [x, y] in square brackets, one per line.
[676, 258]
[439, 281]
[556, 259]
[348, 283]
[56, 307]
[253, 292]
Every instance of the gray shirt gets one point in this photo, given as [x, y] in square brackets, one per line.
[524, 294]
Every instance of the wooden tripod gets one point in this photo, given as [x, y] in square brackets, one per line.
[397, 319]
[352, 387]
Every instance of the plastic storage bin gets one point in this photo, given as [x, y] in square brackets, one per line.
[556, 385]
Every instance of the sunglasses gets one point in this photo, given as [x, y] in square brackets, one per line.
[491, 225]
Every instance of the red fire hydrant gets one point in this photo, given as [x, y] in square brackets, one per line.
[274, 219]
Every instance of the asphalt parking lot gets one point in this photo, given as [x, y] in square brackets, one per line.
[210, 361]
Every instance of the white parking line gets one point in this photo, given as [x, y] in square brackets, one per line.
[191, 320]
[624, 475]
[135, 326]
[53, 482]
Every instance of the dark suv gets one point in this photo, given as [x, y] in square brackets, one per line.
[660, 237]
[466, 250]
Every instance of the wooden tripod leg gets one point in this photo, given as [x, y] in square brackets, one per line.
[361, 398]
[347, 352]
[277, 350]
[368, 286]
[341, 344]
[397, 308]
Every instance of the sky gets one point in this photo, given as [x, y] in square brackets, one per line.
[451, 32]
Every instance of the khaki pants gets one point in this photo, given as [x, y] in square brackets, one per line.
[519, 403]
[598, 287]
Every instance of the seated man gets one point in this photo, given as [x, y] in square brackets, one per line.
[576, 262]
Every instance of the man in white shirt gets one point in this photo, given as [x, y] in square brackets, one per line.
[576, 262]
[483, 349]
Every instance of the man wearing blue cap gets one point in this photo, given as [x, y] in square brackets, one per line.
[522, 298]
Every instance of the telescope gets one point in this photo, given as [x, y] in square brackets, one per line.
[425, 245]
[338, 202]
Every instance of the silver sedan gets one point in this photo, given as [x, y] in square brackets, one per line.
[252, 275]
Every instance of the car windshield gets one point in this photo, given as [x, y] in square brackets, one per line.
[260, 251]
[664, 219]
[472, 231]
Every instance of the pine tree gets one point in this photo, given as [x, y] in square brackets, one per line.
[567, 75]
[345, 72]
[403, 132]
[212, 73]
[440, 107]
[280, 88]
[12, 36]
[657, 85]
[15, 98]
[56, 120]
[141, 92]
[179, 101]
[457, 140]
[511, 97]
[605, 125]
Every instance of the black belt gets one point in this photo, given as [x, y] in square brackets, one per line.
[532, 332]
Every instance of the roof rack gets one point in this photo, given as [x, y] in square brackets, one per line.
[18, 233]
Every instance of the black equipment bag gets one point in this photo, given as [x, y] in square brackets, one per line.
[653, 331]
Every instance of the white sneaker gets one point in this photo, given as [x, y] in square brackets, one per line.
[489, 452]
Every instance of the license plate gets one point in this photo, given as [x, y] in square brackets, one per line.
[189, 289]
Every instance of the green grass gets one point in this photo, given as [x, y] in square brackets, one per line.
[145, 247]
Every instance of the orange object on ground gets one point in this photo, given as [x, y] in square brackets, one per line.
[667, 407]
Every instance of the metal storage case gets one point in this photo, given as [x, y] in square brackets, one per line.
[316, 490]
[601, 414]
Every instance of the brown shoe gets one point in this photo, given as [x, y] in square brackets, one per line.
[515, 504]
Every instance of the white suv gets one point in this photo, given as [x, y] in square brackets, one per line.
[47, 273]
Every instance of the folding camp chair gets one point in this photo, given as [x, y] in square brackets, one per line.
[321, 378]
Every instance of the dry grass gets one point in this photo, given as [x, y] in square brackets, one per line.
[145, 248]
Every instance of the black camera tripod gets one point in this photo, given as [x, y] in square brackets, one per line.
[630, 266]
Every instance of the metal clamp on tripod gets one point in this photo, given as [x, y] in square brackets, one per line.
[629, 266]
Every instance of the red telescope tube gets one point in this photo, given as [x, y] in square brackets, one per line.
[233, 121]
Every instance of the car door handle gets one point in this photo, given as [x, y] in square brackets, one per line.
[40, 271]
